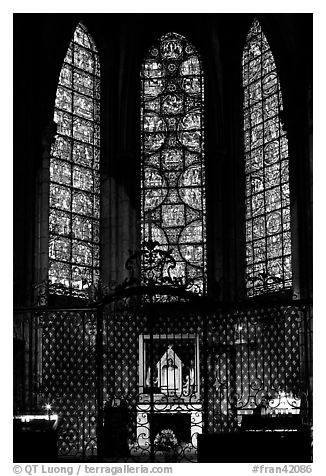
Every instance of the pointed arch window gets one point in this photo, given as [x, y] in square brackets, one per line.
[268, 233]
[173, 209]
[74, 205]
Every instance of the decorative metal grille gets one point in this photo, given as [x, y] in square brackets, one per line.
[268, 234]
[256, 355]
[172, 147]
[74, 171]
[104, 372]
[68, 378]
[136, 336]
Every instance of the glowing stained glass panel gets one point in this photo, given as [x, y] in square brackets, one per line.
[172, 138]
[74, 172]
[268, 237]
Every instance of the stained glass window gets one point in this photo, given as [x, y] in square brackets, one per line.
[268, 233]
[74, 171]
[172, 148]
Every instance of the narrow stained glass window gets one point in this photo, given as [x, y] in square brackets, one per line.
[74, 171]
[268, 233]
[172, 147]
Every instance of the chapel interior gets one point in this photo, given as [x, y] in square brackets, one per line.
[162, 237]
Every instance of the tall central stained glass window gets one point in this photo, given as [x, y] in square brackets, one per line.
[268, 233]
[172, 148]
[74, 171]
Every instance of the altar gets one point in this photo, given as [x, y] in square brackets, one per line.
[170, 416]
[169, 390]
[168, 367]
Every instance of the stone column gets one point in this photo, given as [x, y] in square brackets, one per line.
[41, 251]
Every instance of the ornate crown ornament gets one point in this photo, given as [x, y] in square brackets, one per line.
[151, 266]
